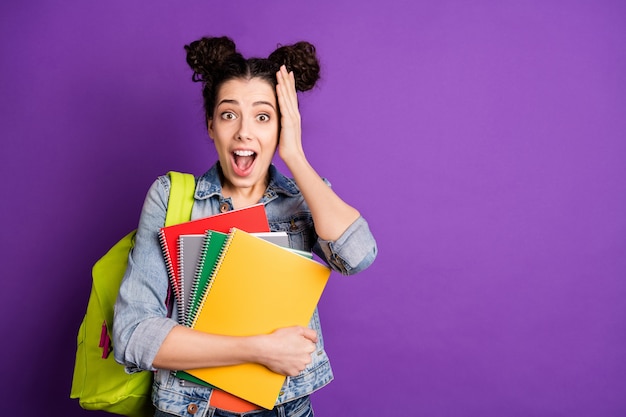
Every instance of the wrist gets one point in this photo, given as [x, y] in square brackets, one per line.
[295, 160]
[258, 348]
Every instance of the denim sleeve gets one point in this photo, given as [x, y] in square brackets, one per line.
[140, 322]
[354, 251]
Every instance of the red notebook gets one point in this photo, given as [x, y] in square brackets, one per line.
[250, 219]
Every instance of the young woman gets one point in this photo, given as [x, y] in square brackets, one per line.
[252, 112]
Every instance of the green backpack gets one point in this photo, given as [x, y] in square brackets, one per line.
[99, 382]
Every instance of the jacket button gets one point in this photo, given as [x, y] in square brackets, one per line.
[192, 408]
[224, 207]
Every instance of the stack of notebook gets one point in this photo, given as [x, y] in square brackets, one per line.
[232, 276]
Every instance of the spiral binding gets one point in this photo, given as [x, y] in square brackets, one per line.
[170, 269]
[216, 268]
[180, 301]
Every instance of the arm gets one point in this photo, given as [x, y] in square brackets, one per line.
[286, 351]
[331, 215]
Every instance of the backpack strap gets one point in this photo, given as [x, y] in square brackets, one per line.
[179, 205]
[181, 198]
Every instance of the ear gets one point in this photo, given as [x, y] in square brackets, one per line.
[210, 128]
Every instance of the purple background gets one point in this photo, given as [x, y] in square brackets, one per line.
[484, 142]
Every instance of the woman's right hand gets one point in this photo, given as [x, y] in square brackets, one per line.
[287, 351]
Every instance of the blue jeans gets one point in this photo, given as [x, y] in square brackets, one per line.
[300, 407]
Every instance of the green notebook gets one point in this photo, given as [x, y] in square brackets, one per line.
[211, 250]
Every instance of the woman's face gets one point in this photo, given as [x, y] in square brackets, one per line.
[244, 128]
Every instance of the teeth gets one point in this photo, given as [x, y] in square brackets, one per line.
[244, 153]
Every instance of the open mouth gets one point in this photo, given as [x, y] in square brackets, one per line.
[243, 161]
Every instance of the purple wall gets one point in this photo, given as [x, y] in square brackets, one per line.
[484, 141]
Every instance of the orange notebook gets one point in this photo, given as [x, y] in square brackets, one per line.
[256, 288]
[250, 219]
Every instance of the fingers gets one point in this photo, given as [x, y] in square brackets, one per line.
[286, 91]
[290, 350]
[310, 334]
[290, 140]
[285, 77]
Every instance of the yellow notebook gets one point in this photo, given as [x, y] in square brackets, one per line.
[257, 287]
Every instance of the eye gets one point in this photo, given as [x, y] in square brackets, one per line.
[228, 115]
[263, 117]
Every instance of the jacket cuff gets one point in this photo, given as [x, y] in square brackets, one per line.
[150, 333]
[354, 251]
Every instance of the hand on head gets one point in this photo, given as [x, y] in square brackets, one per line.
[290, 143]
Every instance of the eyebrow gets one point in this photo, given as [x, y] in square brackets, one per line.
[256, 103]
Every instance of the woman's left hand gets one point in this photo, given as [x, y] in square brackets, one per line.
[290, 142]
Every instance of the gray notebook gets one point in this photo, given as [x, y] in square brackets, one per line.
[189, 250]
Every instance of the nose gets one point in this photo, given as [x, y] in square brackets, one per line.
[243, 133]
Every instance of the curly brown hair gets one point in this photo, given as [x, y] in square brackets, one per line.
[215, 60]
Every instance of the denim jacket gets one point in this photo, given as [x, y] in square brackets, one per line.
[141, 323]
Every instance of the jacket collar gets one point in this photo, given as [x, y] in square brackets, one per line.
[209, 184]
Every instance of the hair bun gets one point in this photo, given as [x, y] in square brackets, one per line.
[300, 58]
[206, 54]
